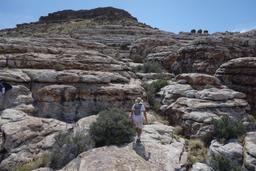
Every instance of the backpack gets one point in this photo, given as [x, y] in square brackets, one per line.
[137, 109]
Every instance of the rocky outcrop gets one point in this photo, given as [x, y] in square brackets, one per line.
[250, 151]
[194, 100]
[67, 85]
[240, 74]
[109, 158]
[26, 138]
[159, 150]
[202, 53]
[107, 13]
[232, 151]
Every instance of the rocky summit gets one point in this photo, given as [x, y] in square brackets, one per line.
[70, 65]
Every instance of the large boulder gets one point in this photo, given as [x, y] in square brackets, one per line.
[18, 95]
[232, 151]
[250, 151]
[160, 147]
[159, 150]
[25, 137]
[240, 74]
[109, 158]
[194, 105]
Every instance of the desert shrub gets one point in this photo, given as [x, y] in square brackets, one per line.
[112, 127]
[152, 89]
[149, 67]
[41, 161]
[178, 130]
[68, 146]
[226, 128]
[59, 67]
[220, 163]
[197, 152]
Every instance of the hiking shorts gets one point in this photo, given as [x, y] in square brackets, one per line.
[138, 121]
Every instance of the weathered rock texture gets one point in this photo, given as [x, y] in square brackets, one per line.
[250, 151]
[240, 74]
[194, 100]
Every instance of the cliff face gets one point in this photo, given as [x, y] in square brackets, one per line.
[72, 64]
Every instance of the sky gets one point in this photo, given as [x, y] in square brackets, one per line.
[168, 15]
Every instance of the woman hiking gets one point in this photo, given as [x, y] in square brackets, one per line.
[137, 115]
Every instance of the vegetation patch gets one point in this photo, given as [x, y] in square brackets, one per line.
[41, 161]
[152, 89]
[221, 163]
[226, 128]
[150, 67]
[59, 67]
[112, 127]
[197, 152]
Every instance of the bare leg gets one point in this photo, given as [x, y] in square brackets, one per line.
[139, 131]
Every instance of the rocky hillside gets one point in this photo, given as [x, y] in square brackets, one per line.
[70, 65]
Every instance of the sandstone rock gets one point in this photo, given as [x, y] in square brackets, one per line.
[109, 158]
[201, 167]
[240, 74]
[160, 148]
[26, 137]
[14, 75]
[232, 151]
[250, 151]
[196, 80]
[194, 108]
[16, 96]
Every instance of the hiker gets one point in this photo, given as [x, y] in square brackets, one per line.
[4, 87]
[138, 110]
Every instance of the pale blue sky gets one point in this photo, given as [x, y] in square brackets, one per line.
[169, 15]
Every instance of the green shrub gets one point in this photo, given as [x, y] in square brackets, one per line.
[59, 67]
[149, 67]
[152, 89]
[41, 161]
[197, 152]
[68, 146]
[226, 128]
[178, 130]
[112, 127]
[220, 163]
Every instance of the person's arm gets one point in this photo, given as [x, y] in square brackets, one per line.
[145, 114]
[130, 115]
[146, 117]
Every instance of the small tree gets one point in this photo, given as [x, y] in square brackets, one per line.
[112, 127]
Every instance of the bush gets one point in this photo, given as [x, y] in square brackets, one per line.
[197, 152]
[152, 89]
[178, 130]
[68, 146]
[226, 128]
[221, 163]
[59, 67]
[41, 161]
[149, 67]
[112, 127]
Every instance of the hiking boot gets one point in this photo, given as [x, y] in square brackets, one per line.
[138, 141]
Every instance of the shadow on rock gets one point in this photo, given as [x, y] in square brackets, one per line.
[140, 149]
